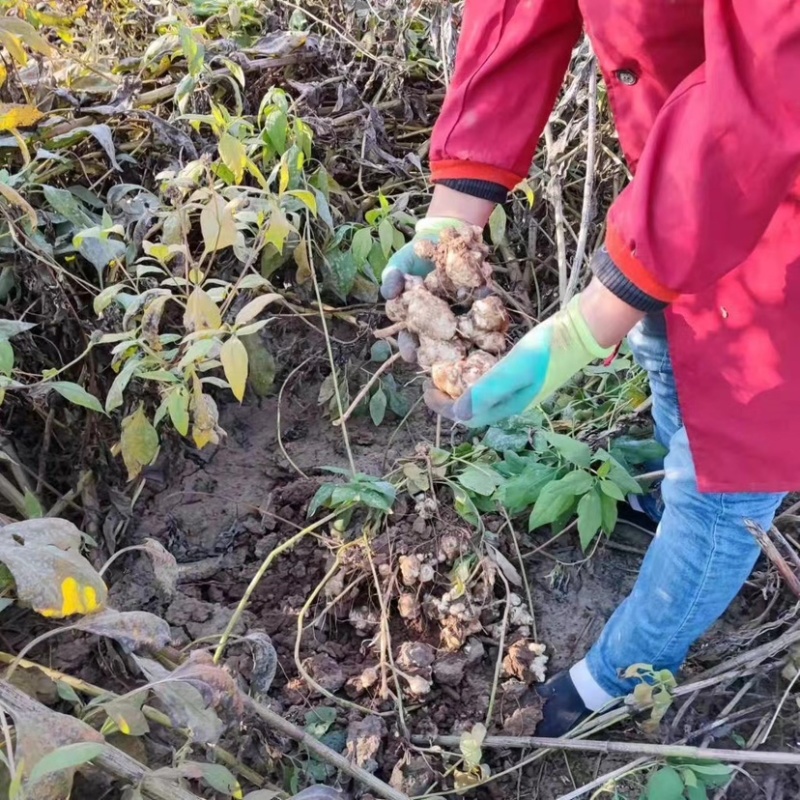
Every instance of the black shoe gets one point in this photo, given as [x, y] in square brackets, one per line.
[563, 707]
[638, 519]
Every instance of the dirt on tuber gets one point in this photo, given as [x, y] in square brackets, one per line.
[457, 349]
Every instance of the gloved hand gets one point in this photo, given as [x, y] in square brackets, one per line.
[541, 362]
[406, 262]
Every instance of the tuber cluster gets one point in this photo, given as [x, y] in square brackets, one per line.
[456, 349]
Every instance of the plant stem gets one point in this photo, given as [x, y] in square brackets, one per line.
[337, 393]
[289, 544]
[365, 389]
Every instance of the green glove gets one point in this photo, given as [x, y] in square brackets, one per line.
[541, 362]
[406, 262]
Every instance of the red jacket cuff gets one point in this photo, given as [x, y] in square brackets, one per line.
[629, 265]
[454, 169]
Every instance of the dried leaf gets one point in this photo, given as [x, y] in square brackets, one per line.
[205, 416]
[202, 313]
[164, 565]
[509, 570]
[139, 442]
[217, 224]
[183, 703]
[127, 714]
[234, 361]
[265, 664]
[16, 115]
[54, 531]
[134, 630]
[215, 684]
[42, 732]
[16, 199]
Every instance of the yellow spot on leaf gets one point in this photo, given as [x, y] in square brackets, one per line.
[15, 115]
[75, 599]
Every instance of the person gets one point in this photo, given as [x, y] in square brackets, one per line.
[700, 267]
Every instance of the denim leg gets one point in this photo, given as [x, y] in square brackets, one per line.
[698, 561]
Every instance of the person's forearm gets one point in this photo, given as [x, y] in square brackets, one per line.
[450, 203]
[609, 318]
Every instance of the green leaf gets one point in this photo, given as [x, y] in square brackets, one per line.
[553, 501]
[590, 517]
[637, 451]
[178, 407]
[377, 406]
[77, 395]
[665, 784]
[497, 225]
[619, 475]
[234, 155]
[361, 246]
[115, 394]
[33, 508]
[380, 352]
[609, 513]
[523, 491]
[11, 327]
[275, 127]
[319, 721]
[193, 50]
[7, 356]
[577, 452]
[386, 235]
[696, 792]
[501, 440]
[341, 269]
[481, 480]
[220, 779]
[67, 757]
[471, 745]
[65, 203]
[612, 490]
[578, 481]
[321, 498]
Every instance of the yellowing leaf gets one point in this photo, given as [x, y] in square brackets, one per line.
[234, 361]
[205, 429]
[217, 224]
[3, 74]
[255, 307]
[201, 312]
[279, 228]
[139, 442]
[234, 155]
[26, 33]
[283, 184]
[17, 115]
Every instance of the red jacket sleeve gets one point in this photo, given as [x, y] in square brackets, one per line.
[721, 157]
[511, 60]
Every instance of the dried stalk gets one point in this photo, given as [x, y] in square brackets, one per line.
[774, 555]
[588, 186]
[628, 748]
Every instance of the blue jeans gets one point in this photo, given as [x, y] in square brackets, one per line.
[700, 557]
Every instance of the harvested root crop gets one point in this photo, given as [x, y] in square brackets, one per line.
[457, 350]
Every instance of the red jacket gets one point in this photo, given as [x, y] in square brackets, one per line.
[706, 96]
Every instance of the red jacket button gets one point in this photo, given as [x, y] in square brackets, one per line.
[627, 77]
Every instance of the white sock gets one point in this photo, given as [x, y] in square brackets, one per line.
[594, 696]
[634, 503]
